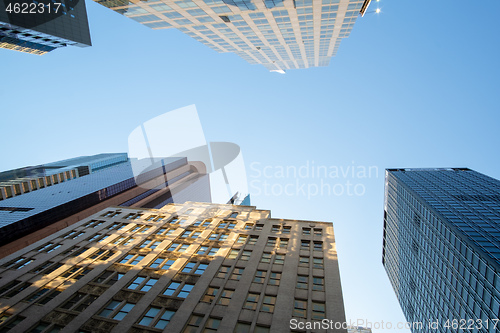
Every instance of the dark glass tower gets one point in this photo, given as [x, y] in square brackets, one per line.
[40, 26]
[441, 247]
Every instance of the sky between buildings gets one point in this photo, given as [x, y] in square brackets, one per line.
[417, 85]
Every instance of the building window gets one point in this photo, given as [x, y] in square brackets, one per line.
[17, 263]
[268, 304]
[318, 263]
[162, 263]
[274, 279]
[242, 328]
[286, 229]
[266, 257]
[79, 302]
[259, 227]
[305, 245]
[123, 241]
[102, 238]
[185, 290]
[209, 251]
[279, 259]
[37, 294]
[111, 214]
[237, 273]
[245, 255]
[190, 234]
[251, 301]
[210, 294]
[227, 225]
[306, 231]
[102, 254]
[109, 277]
[13, 288]
[72, 235]
[137, 228]
[241, 239]
[276, 228]
[76, 272]
[253, 240]
[300, 309]
[271, 241]
[49, 247]
[318, 311]
[212, 325]
[318, 232]
[178, 247]
[218, 236]
[194, 268]
[47, 297]
[302, 282]
[225, 297]
[304, 261]
[161, 231]
[46, 268]
[249, 226]
[156, 317]
[260, 276]
[318, 284]
[233, 254]
[154, 245]
[223, 272]
[142, 283]
[233, 215]
[283, 243]
[318, 246]
[131, 259]
[116, 310]
[11, 322]
[178, 290]
[193, 323]
[55, 247]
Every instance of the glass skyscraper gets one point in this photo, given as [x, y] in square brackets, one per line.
[41, 26]
[279, 34]
[441, 248]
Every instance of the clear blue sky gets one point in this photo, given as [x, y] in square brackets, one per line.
[415, 86]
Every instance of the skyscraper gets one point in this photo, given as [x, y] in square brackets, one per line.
[441, 247]
[40, 200]
[180, 268]
[279, 34]
[42, 26]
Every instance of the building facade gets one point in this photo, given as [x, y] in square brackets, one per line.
[41, 200]
[39, 27]
[441, 248]
[279, 34]
[182, 268]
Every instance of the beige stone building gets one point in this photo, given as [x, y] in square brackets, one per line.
[196, 267]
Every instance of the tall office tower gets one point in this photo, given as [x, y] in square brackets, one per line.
[41, 26]
[41, 200]
[279, 34]
[182, 268]
[23, 180]
[441, 247]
